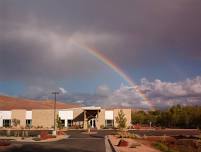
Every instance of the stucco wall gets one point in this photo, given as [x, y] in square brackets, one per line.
[78, 114]
[19, 114]
[127, 113]
[43, 117]
[101, 117]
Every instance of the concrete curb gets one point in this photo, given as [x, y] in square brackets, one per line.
[109, 143]
[32, 141]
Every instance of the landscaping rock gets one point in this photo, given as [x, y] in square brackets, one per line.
[122, 143]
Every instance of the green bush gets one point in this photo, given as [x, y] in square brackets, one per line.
[121, 120]
[162, 147]
[102, 126]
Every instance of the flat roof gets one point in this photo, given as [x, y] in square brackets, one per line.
[91, 108]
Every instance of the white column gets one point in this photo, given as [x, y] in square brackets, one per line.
[1, 122]
[66, 122]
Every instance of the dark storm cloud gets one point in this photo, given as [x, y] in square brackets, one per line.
[147, 30]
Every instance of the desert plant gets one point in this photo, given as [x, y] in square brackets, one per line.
[15, 122]
[121, 120]
[88, 128]
[59, 122]
[102, 126]
[162, 147]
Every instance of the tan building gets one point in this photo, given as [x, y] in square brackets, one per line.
[81, 117]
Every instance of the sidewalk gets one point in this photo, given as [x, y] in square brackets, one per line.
[30, 139]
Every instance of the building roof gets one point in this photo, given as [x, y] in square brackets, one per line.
[91, 108]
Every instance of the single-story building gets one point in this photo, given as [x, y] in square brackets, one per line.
[80, 117]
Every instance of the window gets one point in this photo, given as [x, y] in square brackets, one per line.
[63, 123]
[70, 123]
[6, 123]
[109, 123]
[28, 122]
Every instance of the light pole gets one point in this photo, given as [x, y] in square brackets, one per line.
[55, 100]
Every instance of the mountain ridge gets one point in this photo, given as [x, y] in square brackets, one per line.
[9, 103]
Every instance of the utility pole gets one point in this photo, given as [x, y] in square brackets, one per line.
[55, 100]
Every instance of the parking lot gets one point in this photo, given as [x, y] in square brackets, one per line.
[79, 141]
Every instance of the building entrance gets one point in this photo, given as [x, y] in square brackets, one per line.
[92, 123]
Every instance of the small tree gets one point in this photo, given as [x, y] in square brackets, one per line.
[121, 120]
[59, 122]
[15, 122]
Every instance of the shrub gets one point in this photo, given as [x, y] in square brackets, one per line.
[121, 120]
[102, 126]
[162, 147]
[59, 122]
[15, 122]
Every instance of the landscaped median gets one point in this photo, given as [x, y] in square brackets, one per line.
[43, 136]
[128, 142]
[129, 145]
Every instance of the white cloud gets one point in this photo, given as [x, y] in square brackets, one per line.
[63, 91]
[158, 93]
[80, 101]
[176, 89]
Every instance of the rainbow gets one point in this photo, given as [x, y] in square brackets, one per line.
[101, 57]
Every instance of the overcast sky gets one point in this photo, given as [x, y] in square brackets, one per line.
[156, 43]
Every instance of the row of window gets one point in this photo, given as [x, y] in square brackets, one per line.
[69, 123]
[109, 123]
[7, 122]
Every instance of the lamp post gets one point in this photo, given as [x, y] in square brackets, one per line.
[55, 100]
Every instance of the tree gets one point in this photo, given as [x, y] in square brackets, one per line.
[15, 122]
[59, 122]
[121, 120]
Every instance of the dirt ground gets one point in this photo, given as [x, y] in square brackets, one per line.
[143, 147]
[146, 144]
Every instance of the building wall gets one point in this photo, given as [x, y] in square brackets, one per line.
[101, 118]
[19, 114]
[66, 115]
[127, 113]
[43, 117]
[78, 116]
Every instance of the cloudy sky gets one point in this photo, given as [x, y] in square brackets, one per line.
[155, 43]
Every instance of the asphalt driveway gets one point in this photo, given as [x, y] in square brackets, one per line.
[77, 142]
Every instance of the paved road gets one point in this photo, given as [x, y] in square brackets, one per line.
[77, 142]
[80, 142]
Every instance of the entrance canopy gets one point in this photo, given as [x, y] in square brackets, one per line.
[91, 108]
[91, 116]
